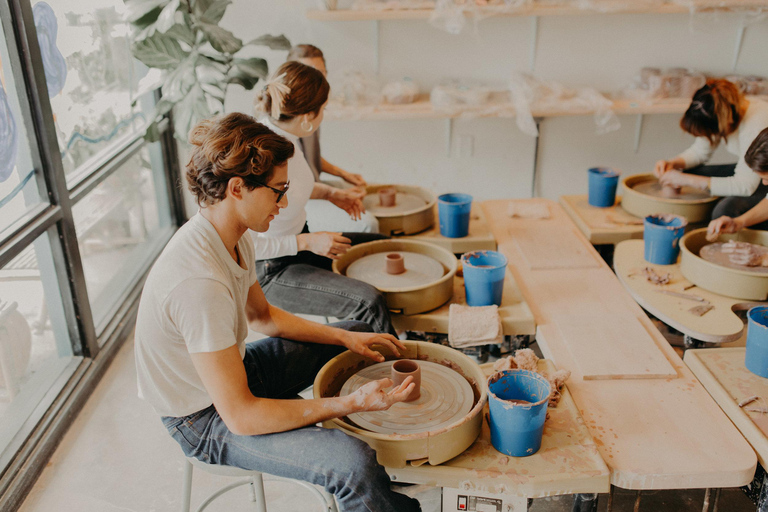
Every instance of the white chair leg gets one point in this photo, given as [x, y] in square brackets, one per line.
[331, 501]
[257, 492]
[186, 490]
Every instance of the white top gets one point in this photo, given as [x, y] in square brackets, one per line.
[193, 301]
[280, 239]
[744, 181]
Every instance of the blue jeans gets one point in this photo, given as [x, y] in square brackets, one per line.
[342, 464]
[306, 284]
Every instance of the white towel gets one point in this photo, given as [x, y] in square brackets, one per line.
[528, 210]
[474, 325]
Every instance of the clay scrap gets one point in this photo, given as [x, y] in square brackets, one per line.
[653, 277]
[527, 210]
[526, 359]
[748, 400]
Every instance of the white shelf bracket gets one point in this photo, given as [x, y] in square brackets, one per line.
[638, 131]
[739, 40]
[534, 43]
[377, 43]
[448, 136]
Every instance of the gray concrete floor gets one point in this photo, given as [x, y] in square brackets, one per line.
[117, 457]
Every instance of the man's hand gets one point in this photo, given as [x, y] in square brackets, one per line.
[373, 397]
[742, 253]
[324, 243]
[676, 179]
[349, 200]
[723, 224]
[361, 342]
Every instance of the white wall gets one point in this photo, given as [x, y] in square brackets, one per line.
[603, 51]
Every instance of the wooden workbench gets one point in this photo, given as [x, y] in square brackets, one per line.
[653, 433]
[719, 325]
[722, 372]
[516, 316]
[567, 463]
[602, 225]
[479, 237]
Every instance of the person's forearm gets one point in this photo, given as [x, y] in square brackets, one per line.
[328, 167]
[321, 191]
[755, 215]
[260, 416]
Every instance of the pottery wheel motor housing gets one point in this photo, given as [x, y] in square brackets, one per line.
[643, 196]
[410, 211]
[454, 393]
[424, 284]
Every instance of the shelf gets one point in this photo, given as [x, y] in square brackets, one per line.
[498, 107]
[569, 8]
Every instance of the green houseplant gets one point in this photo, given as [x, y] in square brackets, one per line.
[200, 59]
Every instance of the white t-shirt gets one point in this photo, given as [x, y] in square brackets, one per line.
[744, 181]
[280, 239]
[193, 301]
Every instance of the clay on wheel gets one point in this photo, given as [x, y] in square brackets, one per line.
[446, 397]
[420, 270]
[714, 254]
[403, 203]
[654, 189]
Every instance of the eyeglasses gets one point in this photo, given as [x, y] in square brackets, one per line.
[280, 193]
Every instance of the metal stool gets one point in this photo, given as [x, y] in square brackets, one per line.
[253, 478]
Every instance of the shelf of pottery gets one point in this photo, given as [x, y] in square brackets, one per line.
[653, 91]
[362, 10]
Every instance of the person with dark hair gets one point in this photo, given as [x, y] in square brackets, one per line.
[290, 257]
[756, 217]
[719, 112]
[322, 216]
[227, 402]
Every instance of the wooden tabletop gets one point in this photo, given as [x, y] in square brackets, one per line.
[602, 225]
[479, 237]
[653, 432]
[567, 463]
[516, 316]
[719, 325]
[722, 372]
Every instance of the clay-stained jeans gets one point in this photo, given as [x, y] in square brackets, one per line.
[343, 465]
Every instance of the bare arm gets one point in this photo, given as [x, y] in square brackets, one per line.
[351, 178]
[755, 215]
[224, 377]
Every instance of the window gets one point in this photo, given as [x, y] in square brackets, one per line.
[86, 206]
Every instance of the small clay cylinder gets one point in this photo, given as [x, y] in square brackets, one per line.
[403, 369]
[670, 192]
[387, 196]
[395, 263]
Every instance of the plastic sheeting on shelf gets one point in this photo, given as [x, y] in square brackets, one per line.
[401, 91]
[528, 93]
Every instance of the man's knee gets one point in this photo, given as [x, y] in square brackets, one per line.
[353, 325]
[731, 207]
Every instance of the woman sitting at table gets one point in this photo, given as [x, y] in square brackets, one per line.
[290, 258]
[227, 402]
[719, 112]
[755, 218]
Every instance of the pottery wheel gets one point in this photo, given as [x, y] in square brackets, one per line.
[446, 397]
[420, 269]
[403, 203]
[653, 188]
[714, 254]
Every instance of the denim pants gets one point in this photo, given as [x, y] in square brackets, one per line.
[345, 466]
[306, 284]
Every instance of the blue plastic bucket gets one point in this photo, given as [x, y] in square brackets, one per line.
[453, 212]
[602, 186]
[516, 428]
[484, 277]
[661, 236]
[756, 358]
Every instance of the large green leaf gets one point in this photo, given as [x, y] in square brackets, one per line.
[178, 82]
[144, 12]
[273, 42]
[183, 33]
[189, 111]
[159, 51]
[221, 39]
[248, 72]
[167, 17]
[215, 11]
